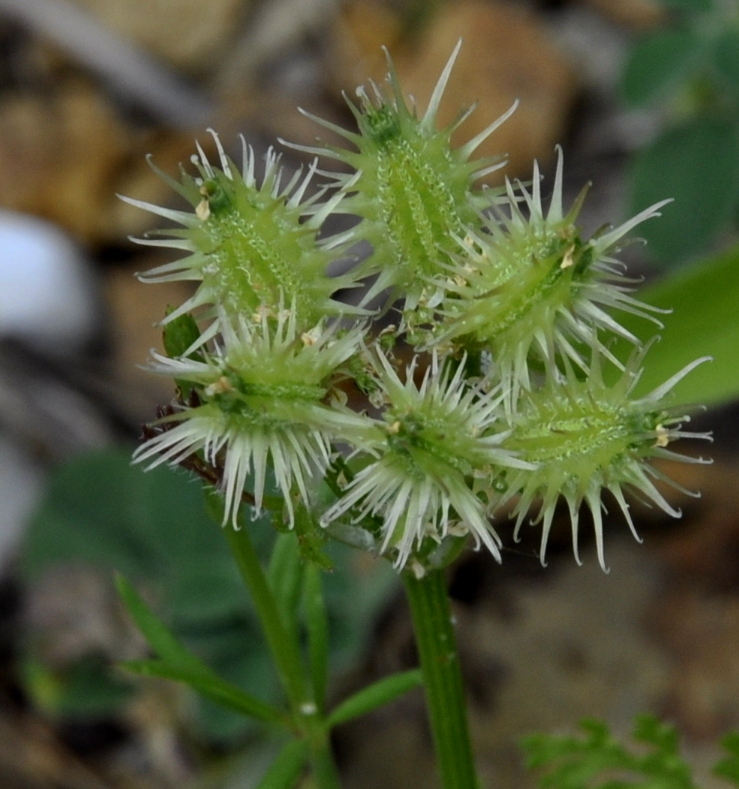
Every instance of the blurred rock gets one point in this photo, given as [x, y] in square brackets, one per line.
[135, 309]
[53, 408]
[276, 31]
[75, 611]
[187, 33]
[361, 29]
[32, 757]
[47, 295]
[20, 487]
[58, 155]
[123, 67]
[637, 14]
[64, 156]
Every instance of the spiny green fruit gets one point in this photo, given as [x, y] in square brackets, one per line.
[530, 283]
[250, 245]
[413, 192]
[585, 437]
[438, 438]
[264, 401]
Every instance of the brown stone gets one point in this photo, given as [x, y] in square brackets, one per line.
[67, 155]
[189, 34]
[506, 55]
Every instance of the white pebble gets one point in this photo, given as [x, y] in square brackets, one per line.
[46, 289]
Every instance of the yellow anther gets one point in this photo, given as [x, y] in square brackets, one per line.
[662, 435]
[202, 210]
[568, 260]
[221, 386]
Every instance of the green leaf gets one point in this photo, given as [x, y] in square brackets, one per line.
[177, 662]
[597, 759]
[726, 57]
[99, 511]
[236, 652]
[287, 767]
[178, 335]
[376, 695]
[658, 63]
[83, 689]
[697, 164]
[703, 301]
[93, 513]
[210, 686]
[689, 5]
[728, 767]
[158, 636]
[201, 592]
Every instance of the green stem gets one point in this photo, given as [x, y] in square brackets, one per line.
[442, 679]
[323, 765]
[318, 637]
[284, 649]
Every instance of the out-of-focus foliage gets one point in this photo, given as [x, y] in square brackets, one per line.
[598, 760]
[689, 69]
[100, 511]
[700, 303]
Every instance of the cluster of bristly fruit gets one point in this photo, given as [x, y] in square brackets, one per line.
[489, 387]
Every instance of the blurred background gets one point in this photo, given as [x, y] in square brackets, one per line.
[644, 97]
